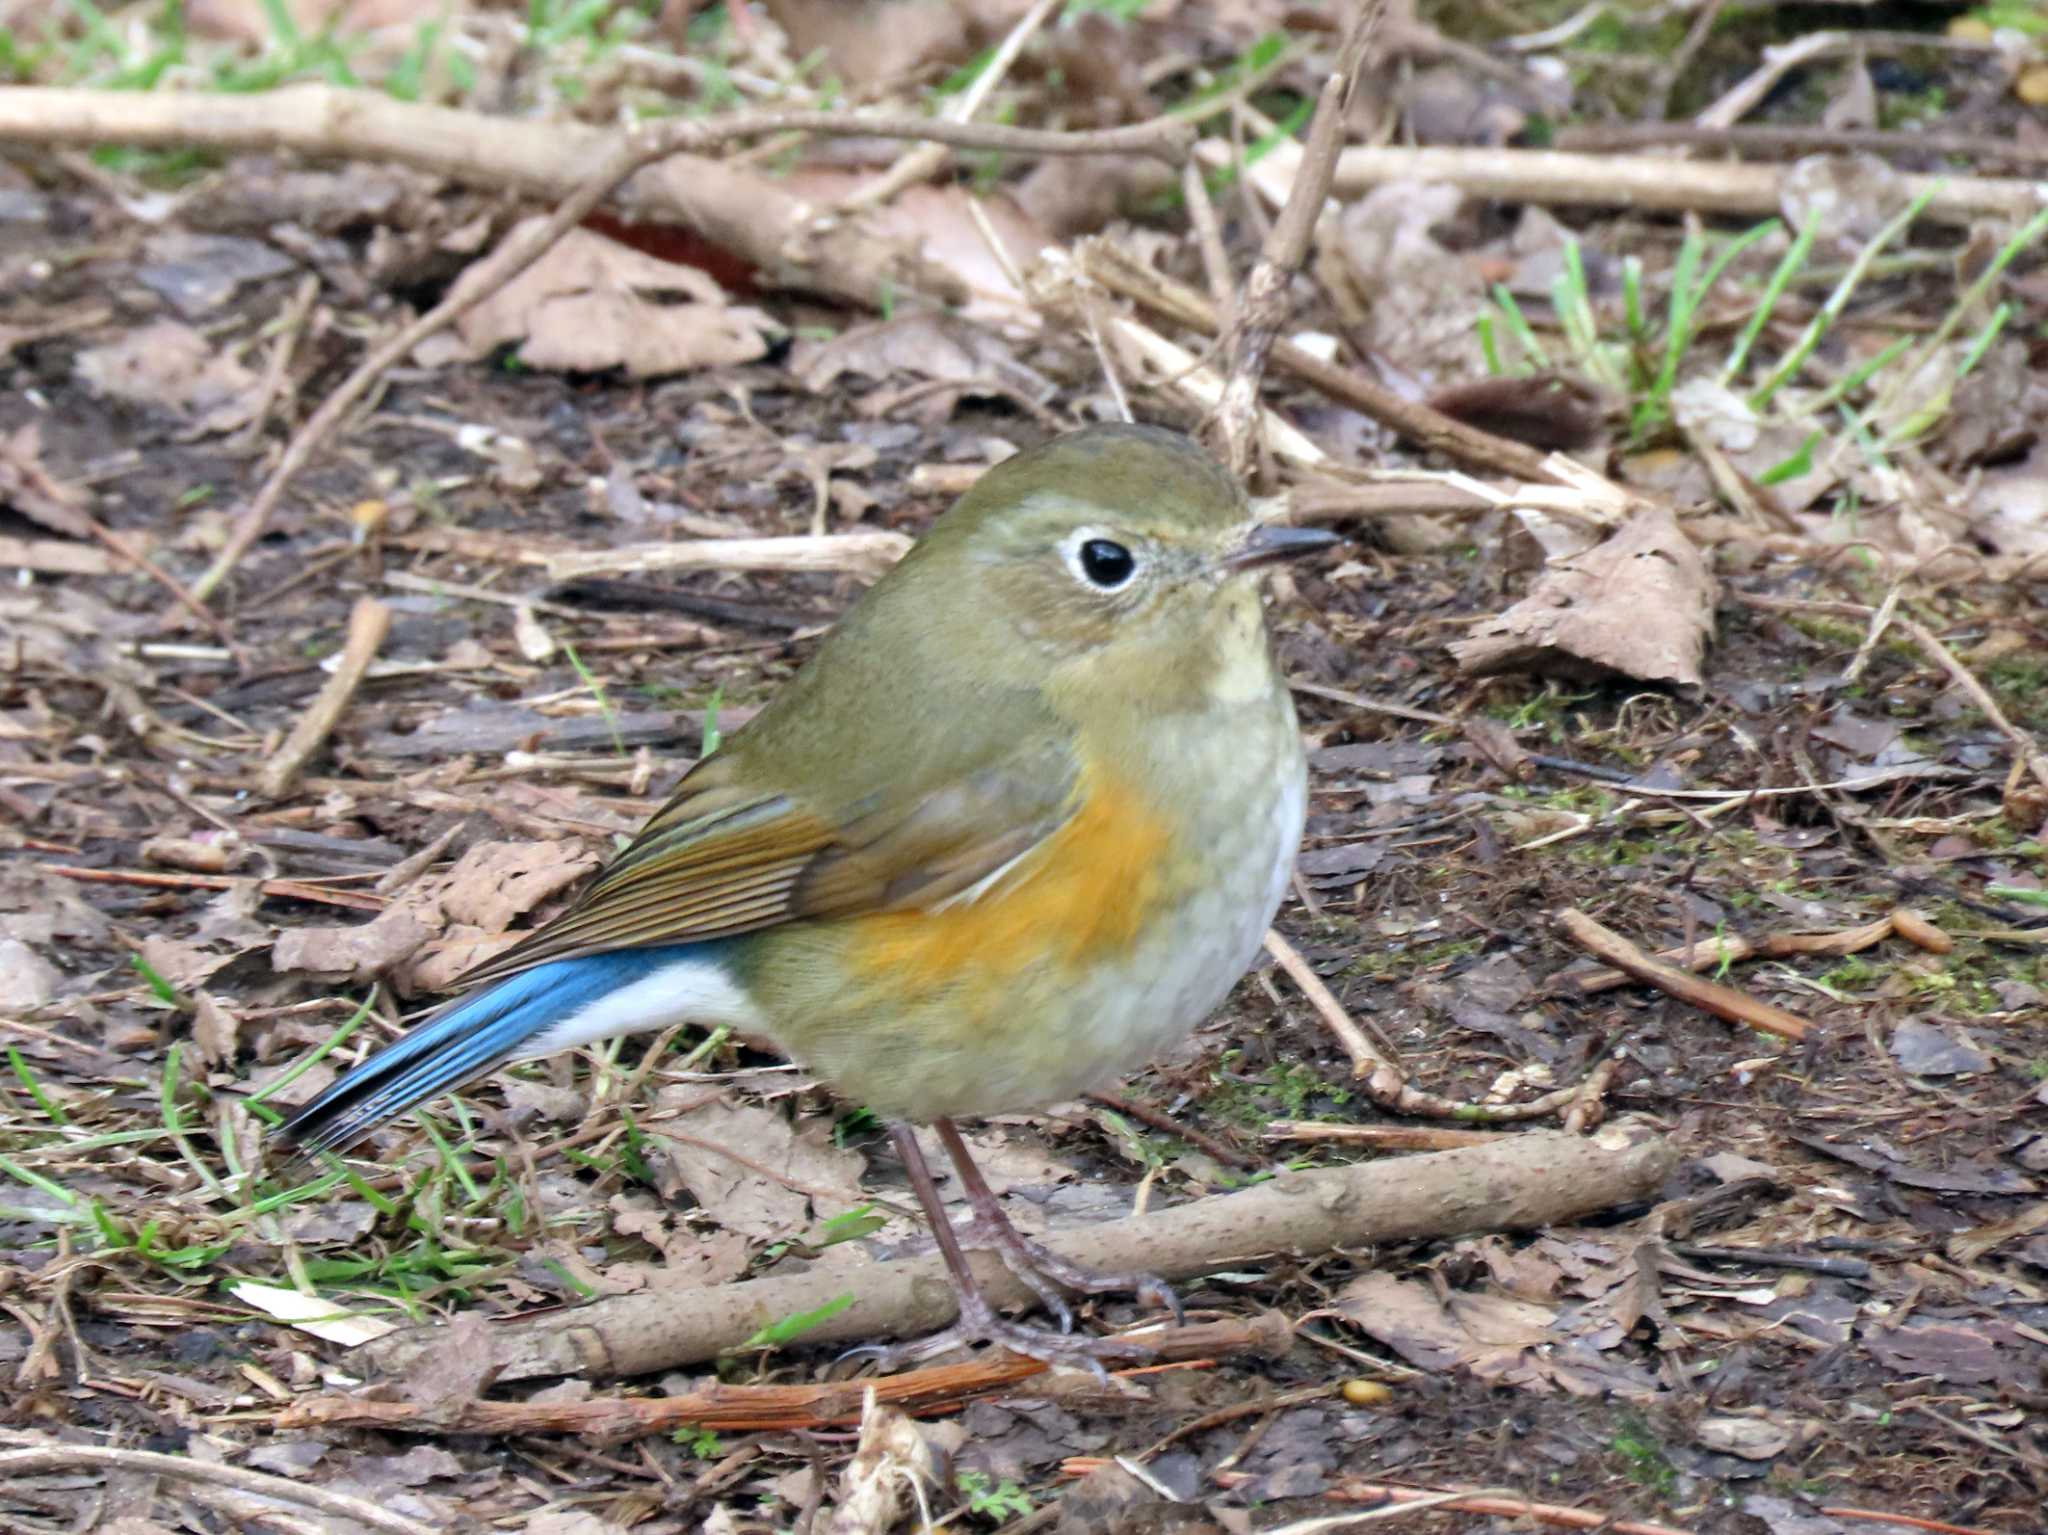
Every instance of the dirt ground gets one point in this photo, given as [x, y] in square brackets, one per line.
[1835, 1308]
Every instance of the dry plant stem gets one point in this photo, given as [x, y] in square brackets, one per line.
[1708, 996]
[1903, 1521]
[1166, 1124]
[531, 157]
[1209, 241]
[55, 557]
[1774, 139]
[923, 162]
[1648, 182]
[1749, 93]
[1109, 266]
[1380, 1137]
[748, 1409]
[1589, 1107]
[272, 889]
[1523, 1181]
[369, 622]
[1366, 1059]
[290, 327]
[1383, 1081]
[1712, 952]
[192, 602]
[40, 1458]
[1478, 1502]
[863, 554]
[1263, 309]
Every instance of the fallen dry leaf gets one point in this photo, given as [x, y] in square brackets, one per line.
[1749, 1438]
[1640, 605]
[865, 48]
[27, 980]
[591, 303]
[359, 953]
[174, 366]
[475, 901]
[494, 883]
[1396, 283]
[310, 1314]
[216, 1030]
[699, 1153]
[30, 489]
[924, 345]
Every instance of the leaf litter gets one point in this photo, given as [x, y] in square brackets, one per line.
[1839, 1301]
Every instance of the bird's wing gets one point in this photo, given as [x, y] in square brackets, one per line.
[723, 858]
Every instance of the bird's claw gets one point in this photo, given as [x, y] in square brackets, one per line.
[979, 1324]
[1039, 1267]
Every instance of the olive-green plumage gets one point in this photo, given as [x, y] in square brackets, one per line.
[947, 729]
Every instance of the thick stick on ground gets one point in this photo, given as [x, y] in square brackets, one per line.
[1519, 1183]
[368, 625]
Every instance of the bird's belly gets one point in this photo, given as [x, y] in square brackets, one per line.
[1002, 1034]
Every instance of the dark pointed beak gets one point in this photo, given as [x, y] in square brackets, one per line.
[1272, 542]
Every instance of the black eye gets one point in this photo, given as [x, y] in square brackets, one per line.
[1107, 563]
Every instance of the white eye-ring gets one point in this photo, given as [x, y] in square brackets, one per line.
[1097, 560]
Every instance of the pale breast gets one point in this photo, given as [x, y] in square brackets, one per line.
[1235, 854]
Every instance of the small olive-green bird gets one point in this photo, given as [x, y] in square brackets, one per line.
[1017, 827]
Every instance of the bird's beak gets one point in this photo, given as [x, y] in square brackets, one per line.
[1271, 542]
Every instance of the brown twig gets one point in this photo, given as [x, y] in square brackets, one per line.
[1166, 1124]
[1731, 949]
[1904, 1521]
[749, 1409]
[1262, 308]
[192, 602]
[1480, 1502]
[291, 326]
[332, 120]
[1384, 1082]
[1799, 140]
[864, 554]
[1651, 182]
[58, 557]
[1709, 996]
[1518, 1182]
[1589, 1103]
[1208, 232]
[368, 624]
[273, 889]
[1108, 265]
[1380, 1137]
[41, 1457]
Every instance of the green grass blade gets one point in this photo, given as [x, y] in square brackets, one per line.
[1838, 300]
[1789, 266]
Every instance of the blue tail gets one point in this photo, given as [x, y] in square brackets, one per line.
[474, 1035]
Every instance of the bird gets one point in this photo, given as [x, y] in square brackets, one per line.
[1015, 828]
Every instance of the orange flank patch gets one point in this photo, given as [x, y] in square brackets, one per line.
[1081, 896]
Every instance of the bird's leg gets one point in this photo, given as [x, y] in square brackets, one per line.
[978, 1321]
[1033, 1262]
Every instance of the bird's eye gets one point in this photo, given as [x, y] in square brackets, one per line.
[1107, 563]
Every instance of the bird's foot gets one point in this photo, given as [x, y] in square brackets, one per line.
[979, 1324]
[1048, 1273]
